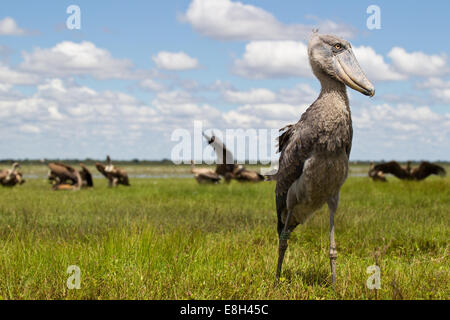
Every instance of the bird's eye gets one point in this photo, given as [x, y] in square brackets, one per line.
[338, 46]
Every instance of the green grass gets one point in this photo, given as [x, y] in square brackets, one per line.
[175, 239]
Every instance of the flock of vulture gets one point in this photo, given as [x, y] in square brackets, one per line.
[65, 177]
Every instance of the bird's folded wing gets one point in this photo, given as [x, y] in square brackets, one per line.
[295, 146]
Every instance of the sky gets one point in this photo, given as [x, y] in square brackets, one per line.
[137, 73]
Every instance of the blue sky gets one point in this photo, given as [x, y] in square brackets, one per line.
[138, 70]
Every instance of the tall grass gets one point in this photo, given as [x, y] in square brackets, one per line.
[175, 239]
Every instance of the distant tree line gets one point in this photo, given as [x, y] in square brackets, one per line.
[89, 161]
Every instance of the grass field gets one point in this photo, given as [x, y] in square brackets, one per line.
[170, 238]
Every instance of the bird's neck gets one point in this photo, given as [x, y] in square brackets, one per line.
[11, 172]
[335, 90]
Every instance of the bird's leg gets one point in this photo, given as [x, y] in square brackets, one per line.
[332, 205]
[283, 244]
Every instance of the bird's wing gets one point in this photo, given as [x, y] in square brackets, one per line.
[101, 168]
[122, 175]
[295, 145]
[223, 154]
[426, 168]
[86, 175]
[62, 169]
[69, 168]
[250, 175]
[3, 174]
[210, 175]
[394, 168]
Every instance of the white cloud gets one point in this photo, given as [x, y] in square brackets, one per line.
[259, 95]
[268, 115]
[9, 27]
[439, 89]
[28, 128]
[400, 132]
[266, 59]
[418, 63]
[14, 77]
[152, 85]
[403, 117]
[302, 93]
[374, 66]
[175, 61]
[228, 20]
[69, 58]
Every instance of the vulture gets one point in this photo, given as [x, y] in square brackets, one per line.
[419, 173]
[225, 162]
[86, 176]
[314, 152]
[204, 175]
[226, 165]
[65, 177]
[376, 175]
[10, 178]
[243, 175]
[114, 174]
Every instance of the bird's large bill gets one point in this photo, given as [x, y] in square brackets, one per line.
[349, 71]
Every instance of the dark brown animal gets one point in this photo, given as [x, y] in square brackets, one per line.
[227, 167]
[114, 174]
[244, 175]
[204, 175]
[12, 177]
[424, 170]
[376, 175]
[65, 177]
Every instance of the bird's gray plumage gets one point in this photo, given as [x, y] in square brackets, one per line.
[323, 132]
[313, 163]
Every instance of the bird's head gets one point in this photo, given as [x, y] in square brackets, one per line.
[209, 139]
[331, 56]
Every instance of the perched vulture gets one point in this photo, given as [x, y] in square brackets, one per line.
[226, 165]
[10, 178]
[114, 174]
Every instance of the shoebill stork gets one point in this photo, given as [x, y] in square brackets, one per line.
[115, 175]
[10, 178]
[313, 163]
[204, 175]
[424, 170]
